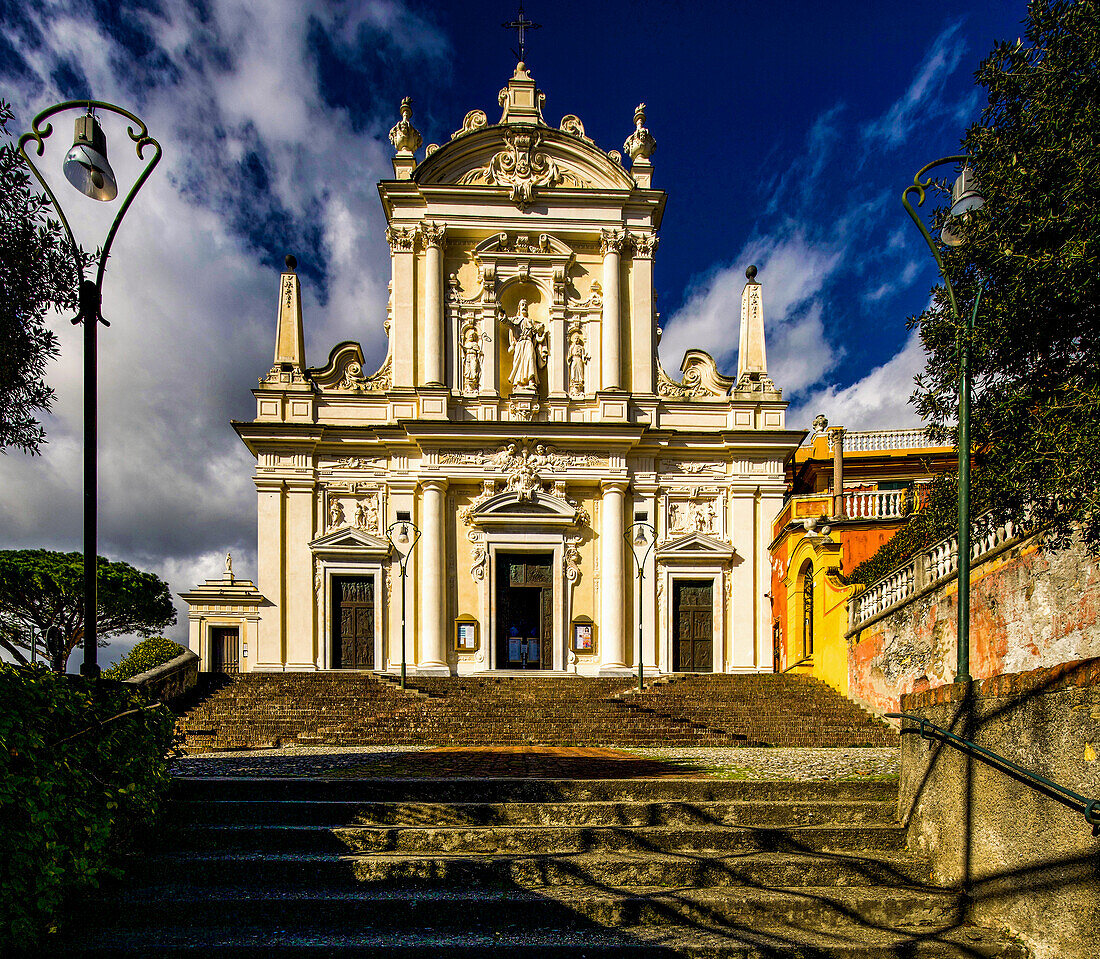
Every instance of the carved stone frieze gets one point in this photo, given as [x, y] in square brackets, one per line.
[691, 467]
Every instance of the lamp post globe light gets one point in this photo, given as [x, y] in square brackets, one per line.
[87, 168]
[965, 199]
[640, 537]
[403, 537]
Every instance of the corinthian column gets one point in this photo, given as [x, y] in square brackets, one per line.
[433, 602]
[612, 572]
[611, 244]
[433, 234]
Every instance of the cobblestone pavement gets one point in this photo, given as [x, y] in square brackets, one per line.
[547, 762]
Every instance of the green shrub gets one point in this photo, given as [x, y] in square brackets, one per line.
[79, 781]
[154, 651]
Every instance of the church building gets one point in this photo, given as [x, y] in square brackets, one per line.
[520, 485]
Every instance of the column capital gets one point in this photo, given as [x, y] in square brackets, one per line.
[614, 485]
[401, 239]
[613, 241]
[644, 245]
[433, 234]
[436, 484]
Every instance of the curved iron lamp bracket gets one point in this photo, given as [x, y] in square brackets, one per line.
[139, 133]
[920, 187]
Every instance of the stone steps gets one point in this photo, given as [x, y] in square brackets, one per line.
[251, 867]
[257, 710]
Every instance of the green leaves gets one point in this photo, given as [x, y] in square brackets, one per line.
[1035, 247]
[149, 653]
[41, 590]
[67, 812]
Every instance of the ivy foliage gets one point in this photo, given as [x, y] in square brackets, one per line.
[1034, 248]
[42, 597]
[149, 653]
[78, 787]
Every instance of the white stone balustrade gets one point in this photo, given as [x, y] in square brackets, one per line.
[882, 504]
[926, 568]
[870, 441]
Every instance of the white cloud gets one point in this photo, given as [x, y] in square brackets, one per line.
[191, 310]
[880, 400]
[793, 271]
[924, 96]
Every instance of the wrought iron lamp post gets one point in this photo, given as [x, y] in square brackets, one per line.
[640, 537]
[965, 198]
[86, 167]
[403, 541]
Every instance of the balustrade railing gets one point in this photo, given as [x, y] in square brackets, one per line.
[926, 568]
[883, 504]
[869, 441]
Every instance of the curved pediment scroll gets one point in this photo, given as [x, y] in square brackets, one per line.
[345, 373]
[523, 158]
[701, 379]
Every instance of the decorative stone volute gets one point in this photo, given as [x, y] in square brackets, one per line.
[406, 141]
[521, 99]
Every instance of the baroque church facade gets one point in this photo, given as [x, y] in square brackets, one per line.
[521, 485]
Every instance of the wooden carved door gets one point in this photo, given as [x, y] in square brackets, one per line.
[693, 612]
[225, 649]
[353, 622]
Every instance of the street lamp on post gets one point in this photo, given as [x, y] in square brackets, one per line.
[640, 537]
[86, 167]
[965, 198]
[403, 537]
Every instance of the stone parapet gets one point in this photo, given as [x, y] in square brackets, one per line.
[1027, 862]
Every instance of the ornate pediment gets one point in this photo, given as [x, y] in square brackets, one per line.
[525, 159]
[525, 506]
[344, 372]
[695, 547]
[348, 541]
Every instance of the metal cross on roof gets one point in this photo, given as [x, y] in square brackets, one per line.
[520, 24]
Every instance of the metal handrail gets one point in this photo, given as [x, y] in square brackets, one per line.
[1089, 808]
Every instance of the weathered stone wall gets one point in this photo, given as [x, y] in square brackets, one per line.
[1029, 608]
[171, 680]
[1030, 864]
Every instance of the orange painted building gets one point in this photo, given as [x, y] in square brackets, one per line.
[848, 494]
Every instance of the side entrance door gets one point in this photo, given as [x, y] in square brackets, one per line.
[225, 649]
[693, 620]
[353, 622]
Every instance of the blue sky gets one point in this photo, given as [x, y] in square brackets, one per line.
[785, 134]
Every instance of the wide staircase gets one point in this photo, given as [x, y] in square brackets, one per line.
[533, 868]
[258, 710]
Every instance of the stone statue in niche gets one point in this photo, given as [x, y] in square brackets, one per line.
[471, 359]
[335, 514]
[577, 358]
[527, 344]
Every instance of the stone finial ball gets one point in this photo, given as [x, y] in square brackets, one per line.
[751, 272]
[291, 261]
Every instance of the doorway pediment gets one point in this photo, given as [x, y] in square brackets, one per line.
[526, 508]
[695, 547]
[350, 541]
